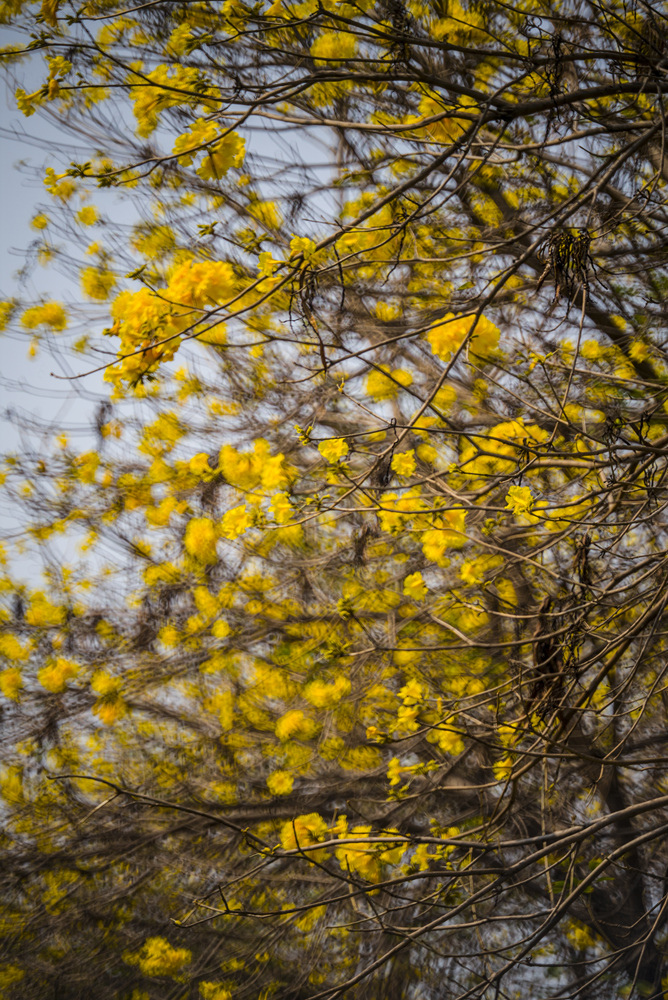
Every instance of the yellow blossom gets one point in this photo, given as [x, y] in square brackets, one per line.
[302, 245]
[436, 541]
[333, 449]
[55, 675]
[59, 185]
[6, 311]
[280, 783]
[404, 463]
[109, 711]
[304, 831]
[323, 695]
[11, 683]
[266, 264]
[51, 314]
[97, 283]
[446, 739]
[580, 935]
[235, 522]
[11, 648]
[379, 386]
[281, 507]
[447, 337]
[214, 991]
[331, 47]
[394, 771]
[220, 629]
[43, 613]
[415, 587]
[295, 725]
[220, 157]
[87, 215]
[158, 958]
[412, 692]
[503, 769]
[200, 132]
[199, 465]
[519, 499]
[105, 684]
[367, 859]
[200, 539]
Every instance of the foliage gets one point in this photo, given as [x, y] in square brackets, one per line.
[356, 683]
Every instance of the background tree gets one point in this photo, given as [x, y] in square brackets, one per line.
[356, 684]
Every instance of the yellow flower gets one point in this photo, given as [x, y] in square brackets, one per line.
[11, 683]
[199, 465]
[109, 710]
[591, 350]
[9, 976]
[105, 684]
[158, 958]
[302, 245]
[323, 695]
[333, 450]
[40, 221]
[281, 508]
[214, 991]
[427, 453]
[379, 386]
[166, 90]
[58, 185]
[280, 783]
[87, 215]
[367, 859]
[200, 132]
[220, 629]
[55, 675]
[415, 587]
[447, 337]
[404, 463]
[43, 613]
[435, 541]
[295, 724]
[51, 314]
[580, 936]
[219, 158]
[275, 474]
[394, 771]
[387, 311]
[446, 740]
[444, 398]
[304, 831]
[96, 283]
[6, 311]
[472, 571]
[508, 735]
[331, 47]
[200, 539]
[11, 648]
[503, 769]
[519, 499]
[235, 522]
[412, 692]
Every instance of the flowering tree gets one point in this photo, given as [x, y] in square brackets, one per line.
[347, 674]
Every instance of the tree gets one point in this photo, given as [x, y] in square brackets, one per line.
[357, 681]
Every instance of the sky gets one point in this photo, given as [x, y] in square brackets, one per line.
[27, 387]
[34, 406]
